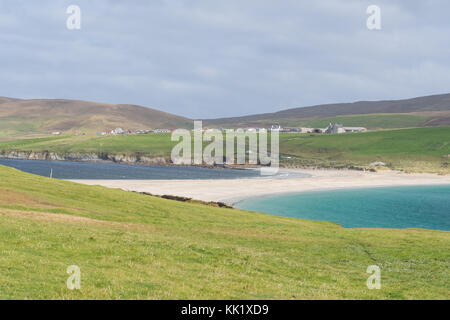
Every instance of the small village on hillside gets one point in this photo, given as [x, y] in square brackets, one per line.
[331, 129]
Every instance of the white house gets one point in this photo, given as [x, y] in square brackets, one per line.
[338, 128]
[335, 128]
[276, 127]
[118, 131]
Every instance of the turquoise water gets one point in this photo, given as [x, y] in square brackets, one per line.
[390, 207]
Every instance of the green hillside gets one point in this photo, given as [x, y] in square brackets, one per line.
[132, 246]
[372, 121]
[20, 118]
[419, 150]
[369, 121]
[149, 144]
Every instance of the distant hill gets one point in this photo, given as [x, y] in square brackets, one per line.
[42, 116]
[422, 111]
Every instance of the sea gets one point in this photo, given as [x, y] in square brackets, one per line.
[114, 171]
[425, 207]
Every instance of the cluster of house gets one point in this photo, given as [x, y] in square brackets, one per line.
[140, 131]
[331, 129]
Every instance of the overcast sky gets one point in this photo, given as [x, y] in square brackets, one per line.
[214, 58]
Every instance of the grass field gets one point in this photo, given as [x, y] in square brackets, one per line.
[415, 150]
[151, 144]
[372, 121]
[132, 246]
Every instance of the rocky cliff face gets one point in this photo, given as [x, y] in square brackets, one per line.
[52, 156]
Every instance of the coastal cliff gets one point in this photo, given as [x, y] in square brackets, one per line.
[143, 159]
[53, 156]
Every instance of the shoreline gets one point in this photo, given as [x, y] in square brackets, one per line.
[145, 160]
[231, 191]
[115, 159]
[234, 201]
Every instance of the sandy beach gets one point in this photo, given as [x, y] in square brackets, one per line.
[230, 191]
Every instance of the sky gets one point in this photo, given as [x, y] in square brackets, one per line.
[221, 58]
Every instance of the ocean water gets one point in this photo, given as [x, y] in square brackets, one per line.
[388, 207]
[104, 171]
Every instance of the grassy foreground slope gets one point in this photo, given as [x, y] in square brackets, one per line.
[129, 245]
[417, 150]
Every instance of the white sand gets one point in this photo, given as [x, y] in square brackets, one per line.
[232, 190]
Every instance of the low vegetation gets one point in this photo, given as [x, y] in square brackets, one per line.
[412, 150]
[369, 121]
[372, 121]
[28, 118]
[134, 246]
[149, 144]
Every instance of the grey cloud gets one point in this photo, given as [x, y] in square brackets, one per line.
[207, 58]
